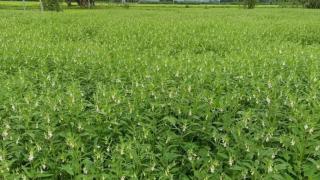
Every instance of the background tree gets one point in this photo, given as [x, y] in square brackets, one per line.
[250, 4]
[51, 5]
[82, 3]
[311, 4]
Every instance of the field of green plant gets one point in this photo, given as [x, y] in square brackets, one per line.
[160, 94]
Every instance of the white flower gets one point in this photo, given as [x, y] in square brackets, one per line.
[310, 130]
[230, 161]
[70, 143]
[38, 147]
[31, 157]
[268, 100]
[252, 172]
[189, 88]
[244, 175]
[267, 139]
[153, 167]
[247, 148]
[225, 144]
[292, 142]
[269, 85]
[167, 171]
[4, 133]
[24, 177]
[270, 169]
[306, 126]
[49, 134]
[48, 119]
[79, 127]
[13, 107]
[184, 127]
[85, 171]
[212, 168]
[291, 103]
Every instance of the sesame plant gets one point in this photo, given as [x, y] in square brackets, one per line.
[160, 94]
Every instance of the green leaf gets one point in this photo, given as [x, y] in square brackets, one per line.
[68, 169]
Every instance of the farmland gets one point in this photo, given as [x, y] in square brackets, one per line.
[160, 93]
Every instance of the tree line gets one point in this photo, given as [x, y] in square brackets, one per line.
[54, 5]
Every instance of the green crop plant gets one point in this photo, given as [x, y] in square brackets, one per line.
[167, 93]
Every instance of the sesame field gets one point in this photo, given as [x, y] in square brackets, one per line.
[160, 93]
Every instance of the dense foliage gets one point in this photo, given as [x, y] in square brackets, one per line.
[312, 4]
[51, 5]
[166, 94]
[250, 4]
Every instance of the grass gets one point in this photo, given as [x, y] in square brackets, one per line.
[160, 94]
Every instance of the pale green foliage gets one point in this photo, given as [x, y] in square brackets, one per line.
[168, 93]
